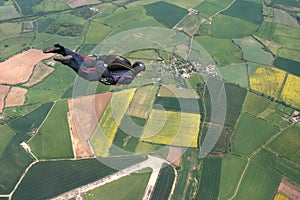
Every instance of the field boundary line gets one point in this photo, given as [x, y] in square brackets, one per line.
[283, 85]
[240, 181]
[21, 178]
[174, 183]
[274, 136]
[223, 9]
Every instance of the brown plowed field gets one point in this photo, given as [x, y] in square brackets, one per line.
[15, 97]
[40, 72]
[174, 155]
[85, 113]
[18, 68]
[289, 190]
[3, 92]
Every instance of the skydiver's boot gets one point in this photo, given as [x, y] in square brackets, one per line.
[57, 48]
[62, 59]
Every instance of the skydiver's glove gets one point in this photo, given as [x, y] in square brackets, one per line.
[107, 81]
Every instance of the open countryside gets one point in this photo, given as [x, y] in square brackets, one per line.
[169, 134]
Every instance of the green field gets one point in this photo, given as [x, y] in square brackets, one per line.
[49, 5]
[13, 163]
[158, 10]
[6, 134]
[10, 29]
[189, 167]
[172, 128]
[292, 3]
[224, 26]
[32, 120]
[250, 133]
[287, 65]
[253, 51]
[266, 30]
[126, 188]
[14, 45]
[43, 24]
[231, 171]
[222, 146]
[173, 91]
[289, 54]
[52, 87]
[258, 183]
[287, 143]
[274, 113]
[246, 10]
[26, 7]
[53, 138]
[210, 179]
[8, 12]
[56, 177]
[222, 50]
[11, 113]
[97, 32]
[288, 38]
[235, 73]
[142, 101]
[189, 105]
[251, 102]
[208, 8]
[123, 16]
[284, 18]
[164, 183]
[128, 134]
[104, 133]
[289, 169]
[235, 96]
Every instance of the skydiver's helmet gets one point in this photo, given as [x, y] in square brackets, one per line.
[138, 67]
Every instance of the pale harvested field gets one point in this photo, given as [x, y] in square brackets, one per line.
[80, 150]
[18, 68]
[40, 72]
[77, 3]
[289, 190]
[85, 113]
[3, 92]
[15, 97]
[174, 155]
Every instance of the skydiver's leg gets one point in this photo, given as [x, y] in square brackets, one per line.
[68, 57]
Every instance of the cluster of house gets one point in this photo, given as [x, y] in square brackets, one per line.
[193, 11]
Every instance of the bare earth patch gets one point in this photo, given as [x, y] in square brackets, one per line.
[174, 155]
[289, 190]
[3, 92]
[85, 113]
[40, 72]
[77, 3]
[18, 68]
[80, 150]
[15, 97]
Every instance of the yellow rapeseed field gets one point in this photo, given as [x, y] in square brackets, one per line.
[291, 91]
[267, 80]
[172, 128]
[104, 133]
[280, 197]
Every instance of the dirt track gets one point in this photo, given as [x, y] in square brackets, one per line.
[18, 68]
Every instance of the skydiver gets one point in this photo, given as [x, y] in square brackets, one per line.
[108, 69]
